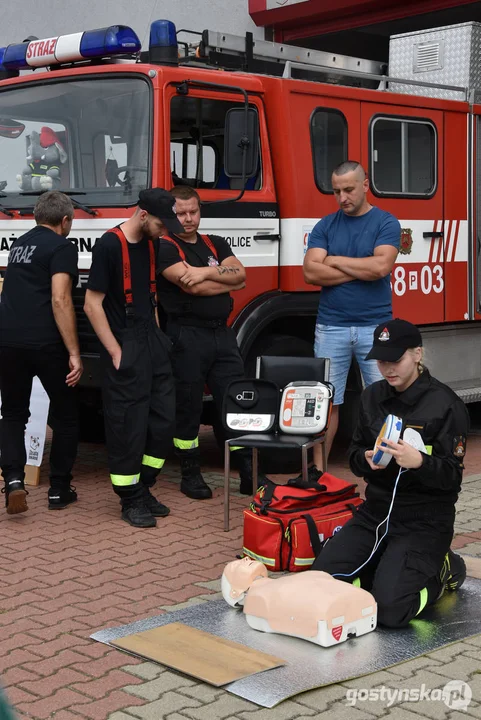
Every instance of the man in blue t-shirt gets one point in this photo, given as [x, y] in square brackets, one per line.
[350, 255]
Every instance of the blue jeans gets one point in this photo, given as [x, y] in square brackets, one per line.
[340, 344]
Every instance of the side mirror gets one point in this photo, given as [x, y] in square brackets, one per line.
[10, 128]
[240, 139]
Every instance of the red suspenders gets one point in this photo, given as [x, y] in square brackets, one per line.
[205, 238]
[127, 278]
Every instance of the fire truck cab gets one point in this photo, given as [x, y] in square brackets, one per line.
[257, 127]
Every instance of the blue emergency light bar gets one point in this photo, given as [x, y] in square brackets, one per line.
[113, 40]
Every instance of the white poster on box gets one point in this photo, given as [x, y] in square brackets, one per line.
[36, 430]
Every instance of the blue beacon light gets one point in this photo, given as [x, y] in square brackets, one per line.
[163, 47]
[104, 42]
[109, 41]
[5, 72]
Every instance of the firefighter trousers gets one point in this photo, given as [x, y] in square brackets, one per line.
[139, 408]
[405, 574]
[201, 356]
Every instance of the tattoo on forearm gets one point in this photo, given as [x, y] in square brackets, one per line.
[221, 269]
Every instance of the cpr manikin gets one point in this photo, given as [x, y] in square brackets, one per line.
[311, 605]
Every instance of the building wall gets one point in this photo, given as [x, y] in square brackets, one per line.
[49, 18]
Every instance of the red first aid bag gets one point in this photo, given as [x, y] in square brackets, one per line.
[286, 525]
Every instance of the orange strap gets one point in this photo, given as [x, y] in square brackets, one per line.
[126, 275]
[205, 238]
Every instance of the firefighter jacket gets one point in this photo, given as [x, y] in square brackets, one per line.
[441, 418]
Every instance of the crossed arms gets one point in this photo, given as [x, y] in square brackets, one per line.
[327, 270]
[229, 275]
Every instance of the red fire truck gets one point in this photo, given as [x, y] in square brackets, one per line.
[256, 127]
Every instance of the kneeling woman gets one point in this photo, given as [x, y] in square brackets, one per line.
[412, 564]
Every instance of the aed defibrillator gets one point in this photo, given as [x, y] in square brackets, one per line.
[253, 405]
[305, 407]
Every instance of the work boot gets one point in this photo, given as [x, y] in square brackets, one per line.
[59, 498]
[243, 462]
[456, 571]
[192, 484]
[137, 514]
[15, 496]
[157, 509]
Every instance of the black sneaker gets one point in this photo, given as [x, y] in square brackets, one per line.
[456, 571]
[195, 487]
[139, 516]
[58, 499]
[15, 496]
[157, 509]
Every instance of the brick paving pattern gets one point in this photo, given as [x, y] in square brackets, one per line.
[66, 574]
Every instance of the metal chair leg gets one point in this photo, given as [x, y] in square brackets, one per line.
[305, 460]
[226, 485]
[255, 470]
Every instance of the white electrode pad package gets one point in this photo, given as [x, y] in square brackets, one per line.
[248, 421]
[413, 438]
[391, 430]
[305, 407]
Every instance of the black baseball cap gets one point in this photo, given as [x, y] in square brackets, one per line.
[392, 339]
[159, 202]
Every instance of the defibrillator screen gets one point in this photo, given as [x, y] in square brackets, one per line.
[303, 407]
[310, 407]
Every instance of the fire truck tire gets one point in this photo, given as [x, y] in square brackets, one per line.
[280, 461]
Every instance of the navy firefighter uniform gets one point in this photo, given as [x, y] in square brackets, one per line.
[413, 564]
[205, 352]
[139, 396]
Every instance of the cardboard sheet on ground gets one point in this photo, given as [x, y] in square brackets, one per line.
[200, 654]
[453, 618]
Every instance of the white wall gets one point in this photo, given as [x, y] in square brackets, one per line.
[49, 18]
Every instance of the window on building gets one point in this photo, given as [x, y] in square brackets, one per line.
[403, 157]
[329, 145]
[197, 129]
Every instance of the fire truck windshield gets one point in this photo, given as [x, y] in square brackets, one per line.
[89, 135]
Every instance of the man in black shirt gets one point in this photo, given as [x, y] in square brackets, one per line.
[138, 388]
[196, 274]
[38, 337]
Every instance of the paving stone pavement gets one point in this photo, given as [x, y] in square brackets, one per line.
[66, 574]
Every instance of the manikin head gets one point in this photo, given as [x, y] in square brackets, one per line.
[237, 578]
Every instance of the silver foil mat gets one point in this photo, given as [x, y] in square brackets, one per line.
[454, 617]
